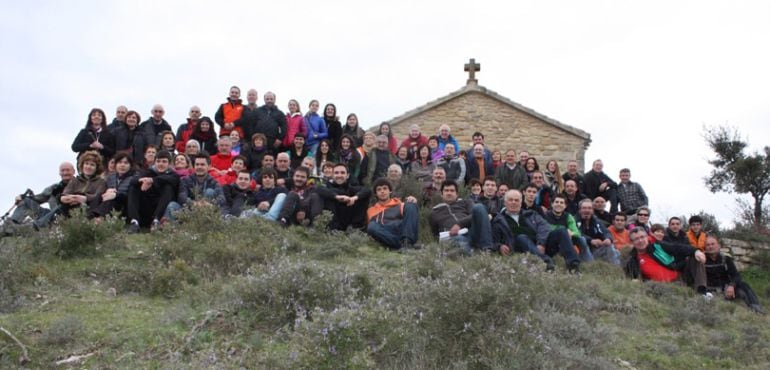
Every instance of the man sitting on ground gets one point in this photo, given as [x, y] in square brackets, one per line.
[222, 161]
[346, 201]
[597, 183]
[558, 218]
[269, 198]
[463, 222]
[573, 197]
[488, 197]
[696, 237]
[674, 232]
[392, 222]
[722, 276]
[619, 231]
[199, 189]
[600, 211]
[596, 235]
[302, 203]
[431, 194]
[150, 193]
[530, 200]
[30, 205]
[526, 231]
[238, 195]
[666, 262]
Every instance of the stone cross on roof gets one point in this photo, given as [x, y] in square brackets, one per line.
[472, 67]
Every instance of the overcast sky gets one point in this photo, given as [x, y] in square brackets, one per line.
[642, 77]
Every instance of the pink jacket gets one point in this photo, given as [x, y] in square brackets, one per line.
[294, 125]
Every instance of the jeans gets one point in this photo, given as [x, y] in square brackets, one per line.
[479, 233]
[392, 233]
[270, 214]
[174, 207]
[558, 242]
[585, 251]
[608, 253]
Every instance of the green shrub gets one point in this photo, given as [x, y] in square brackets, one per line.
[63, 331]
[78, 236]
[13, 275]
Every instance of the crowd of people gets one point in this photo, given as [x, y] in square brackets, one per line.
[257, 161]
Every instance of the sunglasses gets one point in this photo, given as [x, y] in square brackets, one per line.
[643, 214]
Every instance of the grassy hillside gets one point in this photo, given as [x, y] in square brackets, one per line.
[229, 294]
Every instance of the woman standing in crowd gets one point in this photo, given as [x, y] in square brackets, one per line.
[353, 129]
[255, 151]
[124, 135]
[95, 136]
[347, 154]
[168, 142]
[553, 177]
[204, 134]
[435, 152]
[392, 142]
[316, 127]
[403, 159]
[531, 166]
[422, 167]
[295, 124]
[497, 159]
[323, 155]
[333, 125]
[235, 138]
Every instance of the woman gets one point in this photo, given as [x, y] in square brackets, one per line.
[333, 125]
[192, 147]
[553, 177]
[353, 129]
[422, 167]
[295, 124]
[531, 166]
[347, 154]
[95, 136]
[87, 188]
[298, 152]
[235, 138]
[124, 136]
[497, 159]
[150, 151]
[436, 152]
[414, 140]
[392, 142]
[368, 145]
[403, 159]
[182, 165]
[255, 151]
[204, 134]
[168, 142]
[322, 156]
[116, 195]
[316, 127]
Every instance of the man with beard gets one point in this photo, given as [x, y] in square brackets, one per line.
[347, 202]
[302, 203]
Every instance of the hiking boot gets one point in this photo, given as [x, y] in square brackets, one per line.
[133, 228]
[405, 245]
[550, 266]
[155, 226]
[574, 268]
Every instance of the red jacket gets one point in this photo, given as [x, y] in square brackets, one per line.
[295, 125]
[221, 161]
[184, 135]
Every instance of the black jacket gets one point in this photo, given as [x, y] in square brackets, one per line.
[334, 128]
[272, 123]
[502, 233]
[87, 136]
[721, 271]
[593, 180]
[236, 199]
[680, 238]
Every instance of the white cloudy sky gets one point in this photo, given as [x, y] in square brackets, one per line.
[641, 77]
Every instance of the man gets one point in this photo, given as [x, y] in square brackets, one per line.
[544, 192]
[674, 232]
[455, 215]
[572, 174]
[596, 235]
[573, 197]
[120, 118]
[694, 235]
[511, 173]
[479, 166]
[488, 197]
[377, 161]
[238, 195]
[558, 218]
[150, 193]
[631, 195]
[478, 138]
[454, 165]
[283, 172]
[269, 198]
[272, 122]
[523, 231]
[600, 211]
[444, 137]
[30, 204]
[414, 140]
[224, 158]
[185, 130]
[302, 203]
[523, 157]
[395, 176]
[152, 128]
[431, 194]
[530, 200]
[230, 112]
[346, 201]
[620, 232]
[665, 262]
[597, 183]
[198, 190]
[392, 222]
[722, 276]
[250, 117]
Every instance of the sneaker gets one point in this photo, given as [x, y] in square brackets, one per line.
[155, 226]
[550, 266]
[574, 268]
[405, 244]
[708, 296]
[133, 228]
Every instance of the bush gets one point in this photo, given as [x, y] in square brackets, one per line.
[13, 275]
[63, 331]
[78, 236]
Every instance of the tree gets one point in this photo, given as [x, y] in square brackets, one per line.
[736, 171]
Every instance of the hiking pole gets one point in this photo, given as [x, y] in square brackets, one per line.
[24, 195]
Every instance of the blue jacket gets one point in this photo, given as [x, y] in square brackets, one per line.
[316, 126]
[450, 139]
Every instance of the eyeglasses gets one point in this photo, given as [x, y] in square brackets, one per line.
[638, 238]
[643, 214]
[157, 111]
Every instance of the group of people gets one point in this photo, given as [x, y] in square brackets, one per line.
[257, 161]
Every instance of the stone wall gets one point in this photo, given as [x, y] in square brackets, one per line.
[743, 251]
[503, 126]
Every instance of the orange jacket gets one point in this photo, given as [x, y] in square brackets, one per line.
[228, 112]
[697, 241]
[392, 210]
